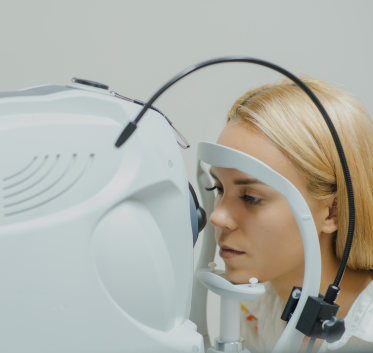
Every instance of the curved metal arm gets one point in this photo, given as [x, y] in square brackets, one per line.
[225, 157]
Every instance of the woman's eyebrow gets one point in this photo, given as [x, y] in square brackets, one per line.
[246, 181]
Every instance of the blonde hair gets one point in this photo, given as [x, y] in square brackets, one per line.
[286, 116]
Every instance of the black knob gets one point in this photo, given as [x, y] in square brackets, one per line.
[333, 329]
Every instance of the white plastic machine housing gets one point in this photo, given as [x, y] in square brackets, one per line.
[225, 157]
[96, 245]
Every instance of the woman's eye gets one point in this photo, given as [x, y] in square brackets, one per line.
[245, 198]
[250, 199]
[220, 190]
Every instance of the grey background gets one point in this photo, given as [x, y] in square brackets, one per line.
[136, 46]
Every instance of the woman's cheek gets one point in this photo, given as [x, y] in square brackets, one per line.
[276, 246]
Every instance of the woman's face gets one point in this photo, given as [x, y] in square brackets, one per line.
[253, 218]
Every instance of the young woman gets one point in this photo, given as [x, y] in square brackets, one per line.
[255, 228]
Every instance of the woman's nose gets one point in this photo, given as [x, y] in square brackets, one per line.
[221, 217]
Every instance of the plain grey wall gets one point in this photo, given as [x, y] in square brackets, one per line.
[136, 46]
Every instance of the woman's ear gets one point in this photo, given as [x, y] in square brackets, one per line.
[330, 223]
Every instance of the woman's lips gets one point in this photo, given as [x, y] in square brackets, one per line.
[226, 253]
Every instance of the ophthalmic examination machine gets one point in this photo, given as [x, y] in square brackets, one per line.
[98, 225]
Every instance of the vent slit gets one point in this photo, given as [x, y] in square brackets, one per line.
[38, 181]
[48, 188]
[28, 177]
[86, 167]
[22, 170]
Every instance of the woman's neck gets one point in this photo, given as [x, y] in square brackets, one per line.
[353, 282]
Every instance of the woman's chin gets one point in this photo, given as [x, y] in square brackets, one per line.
[239, 275]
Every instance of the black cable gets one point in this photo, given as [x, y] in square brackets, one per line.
[136, 101]
[130, 128]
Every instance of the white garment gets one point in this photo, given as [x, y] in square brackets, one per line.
[261, 325]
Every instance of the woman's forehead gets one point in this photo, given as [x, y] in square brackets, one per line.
[237, 177]
[251, 142]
